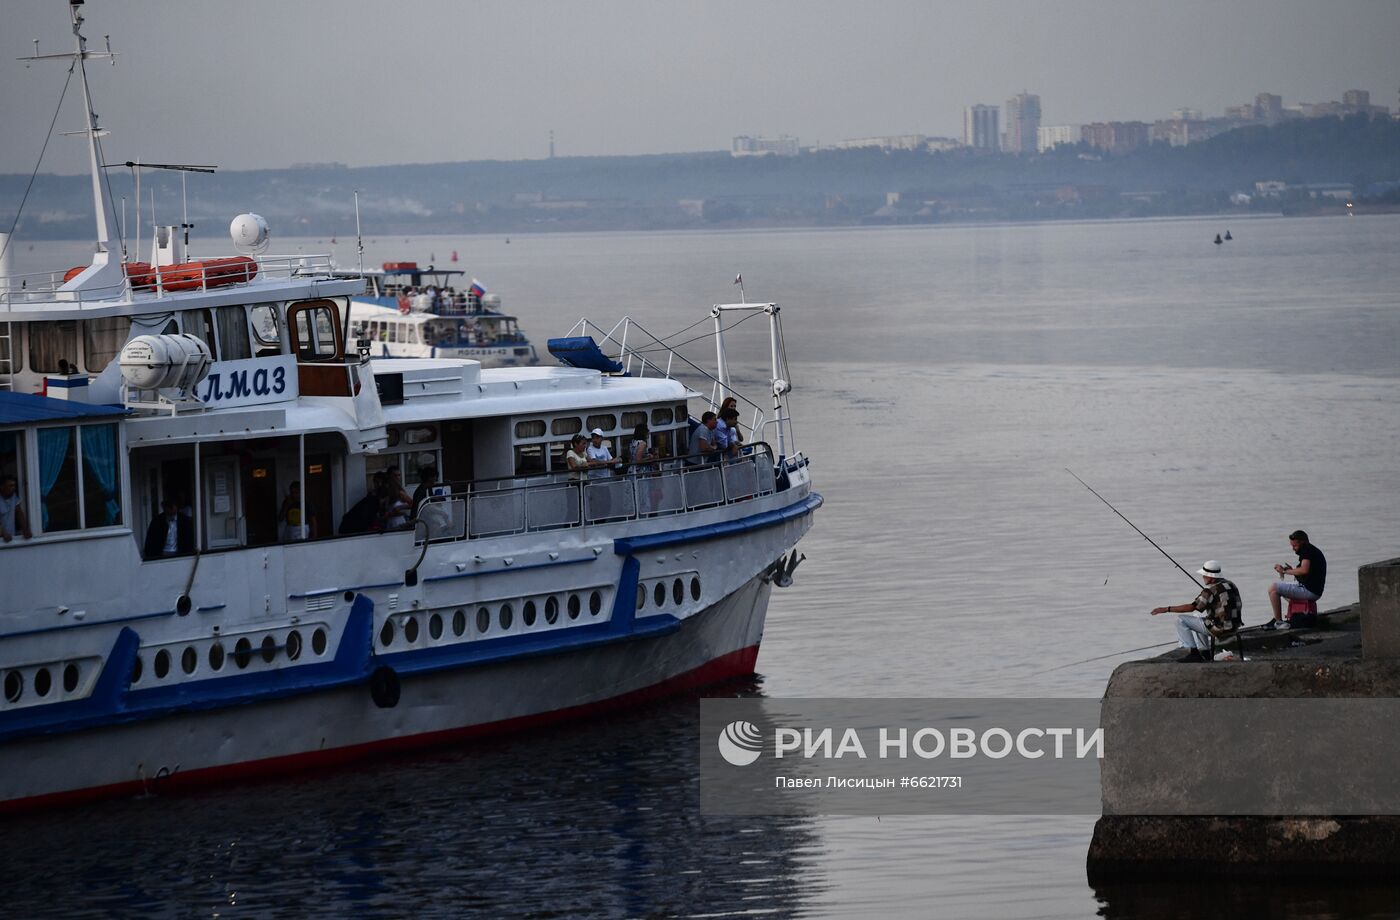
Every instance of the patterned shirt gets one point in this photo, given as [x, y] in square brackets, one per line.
[1219, 602]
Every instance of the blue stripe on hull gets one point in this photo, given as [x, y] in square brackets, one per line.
[112, 702]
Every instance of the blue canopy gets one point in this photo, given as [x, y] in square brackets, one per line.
[19, 408]
[582, 351]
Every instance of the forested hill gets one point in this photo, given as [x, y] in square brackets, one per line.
[714, 189]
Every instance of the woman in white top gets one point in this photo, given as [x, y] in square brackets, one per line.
[577, 457]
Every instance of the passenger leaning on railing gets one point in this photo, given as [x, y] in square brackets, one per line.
[577, 458]
[706, 441]
[639, 452]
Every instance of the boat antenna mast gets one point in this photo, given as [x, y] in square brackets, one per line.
[136, 166]
[103, 272]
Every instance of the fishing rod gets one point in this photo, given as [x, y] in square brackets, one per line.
[1126, 651]
[1135, 527]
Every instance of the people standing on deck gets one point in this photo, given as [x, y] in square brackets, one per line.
[1311, 575]
[1214, 614]
[170, 533]
[396, 504]
[577, 457]
[12, 517]
[294, 526]
[599, 456]
[733, 437]
[706, 443]
[427, 481]
[639, 451]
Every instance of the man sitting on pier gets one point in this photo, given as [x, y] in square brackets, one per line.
[1219, 606]
[1311, 575]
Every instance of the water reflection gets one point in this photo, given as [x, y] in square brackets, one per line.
[597, 819]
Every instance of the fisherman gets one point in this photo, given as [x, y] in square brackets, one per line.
[1214, 614]
[1310, 572]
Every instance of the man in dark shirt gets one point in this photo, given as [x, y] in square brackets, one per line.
[1310, 572]
[170, 533]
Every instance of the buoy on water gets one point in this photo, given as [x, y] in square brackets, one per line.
[1228, 236]
[1218, 240]
[454, 255]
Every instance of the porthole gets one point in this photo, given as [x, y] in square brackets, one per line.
[293, 645]
[136, 668]
[678, 592]
[695, 588]
[507, 616]
[216, 656]
[659, 595]
[410, 629]
[483, 620]
[641, 596]
[574, 606]
[70, 678]
[551, 610]
[435, 626]
[269, 649]
[189, 658]
[162, 664]
[386, 634]
[43, 682]
[459, 622]
[14, 686]
[528, 613]
[595, 603]
[318, 642]
[243, 652]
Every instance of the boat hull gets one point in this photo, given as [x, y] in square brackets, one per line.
[345, 724]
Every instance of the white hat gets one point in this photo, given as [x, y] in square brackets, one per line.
[598, 432]
[1210, 569]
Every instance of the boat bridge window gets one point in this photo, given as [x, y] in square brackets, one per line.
[79, 478]
[315, 329]
[103, 340]
[52, 342]
[267, 329]
[233, 333]
[563, 427]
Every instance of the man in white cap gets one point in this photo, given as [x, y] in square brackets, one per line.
[600, 456]
[1214, 614]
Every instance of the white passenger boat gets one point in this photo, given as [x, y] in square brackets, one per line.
[172, 613]
[410, 311]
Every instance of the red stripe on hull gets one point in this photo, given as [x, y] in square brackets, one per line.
[734, 664]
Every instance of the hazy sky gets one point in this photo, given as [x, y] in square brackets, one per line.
[266, 83]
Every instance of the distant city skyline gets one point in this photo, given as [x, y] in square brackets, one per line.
[269, 84]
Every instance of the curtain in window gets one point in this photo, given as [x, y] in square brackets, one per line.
[233, 333]
[100, 459]
[48, 342]
[103, 340]
[53, 451]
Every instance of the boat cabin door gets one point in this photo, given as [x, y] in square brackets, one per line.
[223, 522]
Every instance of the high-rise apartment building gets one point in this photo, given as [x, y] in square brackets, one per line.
[982, 127]
[1268, 108]
[1022, 121]
[1047, 137]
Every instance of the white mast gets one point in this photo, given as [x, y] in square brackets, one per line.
[104, 272]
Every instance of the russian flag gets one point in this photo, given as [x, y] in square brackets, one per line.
[476, 289]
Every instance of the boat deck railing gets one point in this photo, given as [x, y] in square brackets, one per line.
[558, 501]
[31, 289]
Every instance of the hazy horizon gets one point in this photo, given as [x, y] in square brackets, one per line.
[267, 85]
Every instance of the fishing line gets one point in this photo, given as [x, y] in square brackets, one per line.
[1135, 527]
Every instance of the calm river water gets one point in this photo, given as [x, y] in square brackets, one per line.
[1219, 396]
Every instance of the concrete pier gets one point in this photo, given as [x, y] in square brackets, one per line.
[1148, 765]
